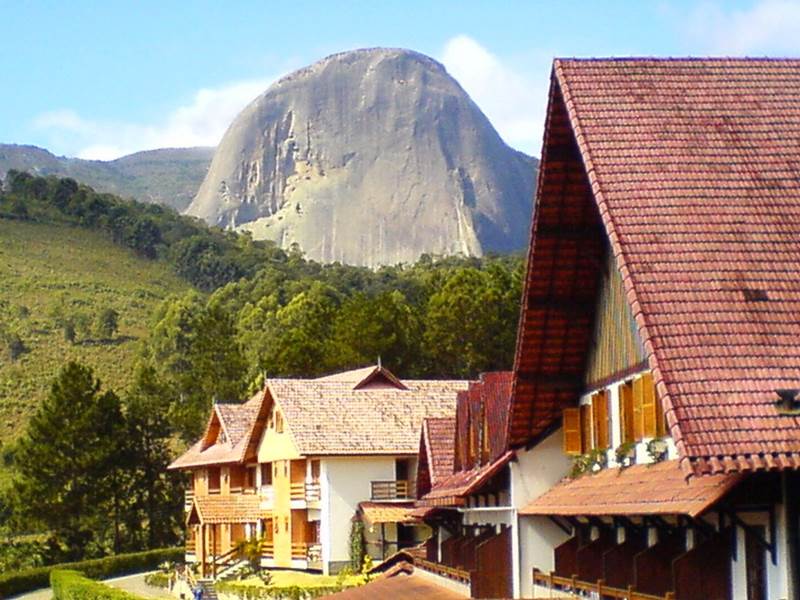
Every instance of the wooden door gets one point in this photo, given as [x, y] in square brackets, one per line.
[756, 564]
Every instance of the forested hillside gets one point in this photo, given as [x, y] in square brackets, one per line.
[171, 315]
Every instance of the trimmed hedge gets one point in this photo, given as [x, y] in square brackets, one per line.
[292, 592]
[74, 585]
[18, 582]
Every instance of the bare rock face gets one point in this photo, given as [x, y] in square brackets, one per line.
[369, 157]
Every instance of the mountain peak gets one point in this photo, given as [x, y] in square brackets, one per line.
[370, 156]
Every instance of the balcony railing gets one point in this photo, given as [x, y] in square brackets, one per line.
[243, 490]
[315, 553]
[313, 493]
[299, 551]
[391, 490]
[305, 491]
[268, 550]
[572, 584]
[188, 500]
[297, 491]
[454, 573]
[191, 545]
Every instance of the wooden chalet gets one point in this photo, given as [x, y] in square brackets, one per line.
[295, 464]
[647, 445]
[659, 325]
[463, 483]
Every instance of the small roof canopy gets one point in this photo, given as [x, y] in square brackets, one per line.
[376, 513]
[654, 489]
[454, 489]
[236, 508]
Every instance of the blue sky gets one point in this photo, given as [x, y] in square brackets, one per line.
[102, 79]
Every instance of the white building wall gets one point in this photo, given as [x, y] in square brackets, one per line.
[777, 574]
[347, 482]
[534, 472]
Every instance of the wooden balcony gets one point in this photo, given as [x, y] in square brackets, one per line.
[576, 587]
[299, 551]
[268, 550]
[313, 492]
[188, 500]
[305, 491]
[391, 490]
[454, 573]
[191, 546]
[315, 552]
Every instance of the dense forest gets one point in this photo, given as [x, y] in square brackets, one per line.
[254, 311]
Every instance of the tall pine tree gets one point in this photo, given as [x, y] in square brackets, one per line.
[69, 473]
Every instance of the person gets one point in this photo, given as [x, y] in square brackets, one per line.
[197, 592]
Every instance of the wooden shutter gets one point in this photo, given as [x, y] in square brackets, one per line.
[661, 421]
[638, 415]
[649, 419]
[626, 412]
[586, 428]
[571, 426]
[600, 419]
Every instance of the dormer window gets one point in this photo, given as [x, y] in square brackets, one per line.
[222, 438]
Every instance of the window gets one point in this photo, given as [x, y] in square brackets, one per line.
[266, 474]
[213, 480]
[314, 470]
[278, 422]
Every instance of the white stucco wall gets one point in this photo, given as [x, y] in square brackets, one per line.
[777, 574]
[347, 482]
[534, 472]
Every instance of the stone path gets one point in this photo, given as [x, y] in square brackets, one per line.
[135, 585]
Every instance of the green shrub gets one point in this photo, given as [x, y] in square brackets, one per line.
[73, 585]
[293, 592]
[18, 582]
[159, 580]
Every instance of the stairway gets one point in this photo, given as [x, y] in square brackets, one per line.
[209, 593]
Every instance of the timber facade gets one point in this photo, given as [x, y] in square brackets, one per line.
[649, 445]
[297, 463]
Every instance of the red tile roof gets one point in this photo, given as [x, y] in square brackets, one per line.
[655, 489]
[439, 436]
[237, 422]
[453, 490]
[233, 508]
[329, 417]
[399, 587]
[387, 512]
[365, 411]
[690, 169]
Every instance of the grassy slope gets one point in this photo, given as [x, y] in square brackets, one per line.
[42, 266]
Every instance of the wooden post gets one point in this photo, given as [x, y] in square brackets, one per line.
[214, 552]
[202, 555]
[383, 541]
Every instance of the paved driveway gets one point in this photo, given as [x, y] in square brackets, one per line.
[130, 583]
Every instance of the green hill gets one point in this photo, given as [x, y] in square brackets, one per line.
[47, 269]
[168, 176]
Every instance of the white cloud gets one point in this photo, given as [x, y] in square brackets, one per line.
[514, 103]
[202, 122]
[766, 27]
